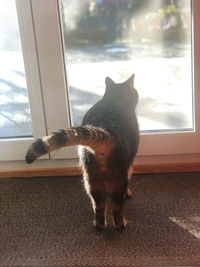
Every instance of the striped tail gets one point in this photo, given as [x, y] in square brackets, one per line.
[83, 135]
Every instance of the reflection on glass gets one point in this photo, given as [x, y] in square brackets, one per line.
[14, 105]
[119, 37]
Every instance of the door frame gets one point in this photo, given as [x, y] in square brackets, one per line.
[47, 72]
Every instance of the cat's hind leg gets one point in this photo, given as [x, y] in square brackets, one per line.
[128, 193]
[117, 204]
[99, 206]
[130, 174]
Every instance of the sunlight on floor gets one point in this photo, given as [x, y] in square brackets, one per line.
[190, 224]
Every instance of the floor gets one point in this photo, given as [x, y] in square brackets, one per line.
[48, 222]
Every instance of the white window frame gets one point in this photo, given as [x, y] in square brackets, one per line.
[154, 147]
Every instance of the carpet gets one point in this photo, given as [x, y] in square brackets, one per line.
[48, 222]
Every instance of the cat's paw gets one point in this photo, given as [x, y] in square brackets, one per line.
[99, 226]
[121, 226]
[128, 194]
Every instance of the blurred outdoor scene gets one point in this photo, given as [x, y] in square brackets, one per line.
[15, 120]
[151, 38]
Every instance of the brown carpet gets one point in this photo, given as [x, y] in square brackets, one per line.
[47, 222]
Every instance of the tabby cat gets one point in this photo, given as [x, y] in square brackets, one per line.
[108, 140]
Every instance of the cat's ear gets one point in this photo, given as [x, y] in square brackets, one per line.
[130, 81]
[109, 82]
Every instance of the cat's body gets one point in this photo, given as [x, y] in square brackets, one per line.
[109, 138]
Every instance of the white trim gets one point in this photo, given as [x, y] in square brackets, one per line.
[52, 67]
[14, 149]
[44, 163]
[196, 79]
[169, 143]
[59, 163]
[31, 66]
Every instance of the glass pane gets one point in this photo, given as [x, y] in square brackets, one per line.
[151, 38]
[14, 104]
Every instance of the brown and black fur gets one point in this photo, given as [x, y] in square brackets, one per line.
[108, 140]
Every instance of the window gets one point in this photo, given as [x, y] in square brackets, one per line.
[116, 38]
[154, 40]
[69, 47]
[15, 111]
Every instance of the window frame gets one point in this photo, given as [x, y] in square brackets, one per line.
[41, 30]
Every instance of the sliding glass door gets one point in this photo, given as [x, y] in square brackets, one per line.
[154, 40]
[57, 54]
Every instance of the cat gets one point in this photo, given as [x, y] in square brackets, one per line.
[108, 140]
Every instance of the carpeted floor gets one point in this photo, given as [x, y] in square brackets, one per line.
[48, 222]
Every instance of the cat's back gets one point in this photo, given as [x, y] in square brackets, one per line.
[115, 118]
[100, 113]
[115, 113]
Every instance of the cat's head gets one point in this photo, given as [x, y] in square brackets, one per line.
[124, 93]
